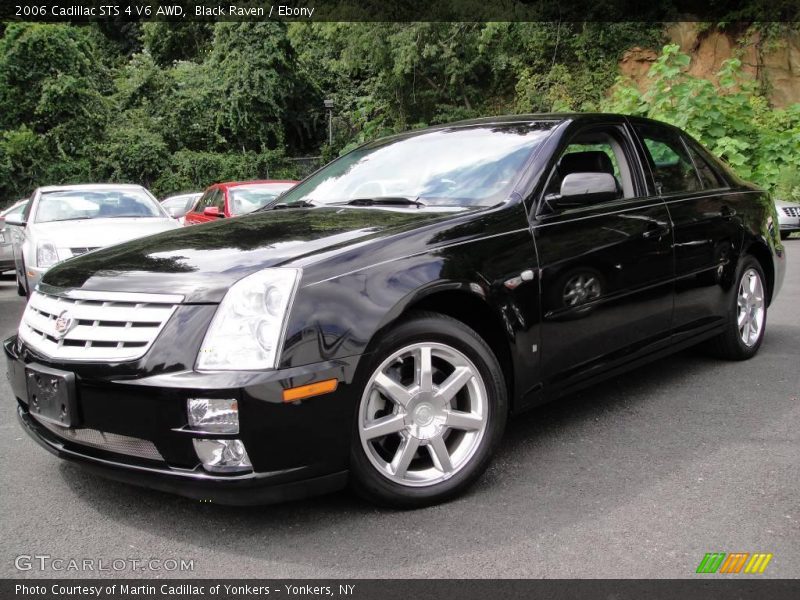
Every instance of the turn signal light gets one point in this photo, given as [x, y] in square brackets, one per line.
[312, 389]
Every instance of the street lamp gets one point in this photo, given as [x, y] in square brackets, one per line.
[328, 102]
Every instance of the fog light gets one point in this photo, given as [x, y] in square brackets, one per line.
[222, 456]
[213, 415]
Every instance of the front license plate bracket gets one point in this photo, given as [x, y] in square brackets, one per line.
[51, 395]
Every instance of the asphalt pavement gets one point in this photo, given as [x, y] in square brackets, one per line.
[637, 477]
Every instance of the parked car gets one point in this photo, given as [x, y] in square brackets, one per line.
[60, 222]
[380, 321]
[177, 206]
[235, 198]
[6, 233]
[788, 217]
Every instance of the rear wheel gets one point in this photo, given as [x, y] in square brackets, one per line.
[431, 414]
[747, 314]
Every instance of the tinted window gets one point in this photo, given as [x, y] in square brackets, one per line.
[596, 150]
[708, 176]
[673, 170]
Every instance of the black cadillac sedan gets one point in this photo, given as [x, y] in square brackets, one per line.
[379, 322]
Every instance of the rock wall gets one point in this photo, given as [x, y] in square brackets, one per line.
[775, 62]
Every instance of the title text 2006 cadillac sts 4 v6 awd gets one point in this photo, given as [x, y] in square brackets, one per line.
[379, 322]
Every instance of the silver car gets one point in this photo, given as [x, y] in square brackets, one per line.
[64, 221]
[178, 206]
[6, 233]
[788, 217]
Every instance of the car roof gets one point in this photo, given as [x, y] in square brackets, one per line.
[88, 187]
[230, 184]
[540, 117]
[183, 195]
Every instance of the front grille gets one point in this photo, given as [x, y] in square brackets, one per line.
[82, 250]
[95, 326]
[792, 211]
[112, 442]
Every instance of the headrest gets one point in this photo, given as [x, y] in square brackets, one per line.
[593, 161]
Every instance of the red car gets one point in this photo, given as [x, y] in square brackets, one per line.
[235, 198]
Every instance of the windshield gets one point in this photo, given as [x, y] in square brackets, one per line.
[69, 205]
[475, 165]
[247, 198]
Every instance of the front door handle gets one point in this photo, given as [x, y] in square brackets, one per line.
[727, 212]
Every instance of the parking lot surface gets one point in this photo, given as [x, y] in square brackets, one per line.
[637, 477]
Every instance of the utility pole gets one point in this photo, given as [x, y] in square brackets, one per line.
[328, 102]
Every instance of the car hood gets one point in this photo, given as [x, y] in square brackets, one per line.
[201, 262]
[98, 233]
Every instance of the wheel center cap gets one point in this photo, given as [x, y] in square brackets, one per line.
[423, 415]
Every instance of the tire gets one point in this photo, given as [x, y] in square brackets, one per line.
[438, 433]
[731, 344]
[21, 290]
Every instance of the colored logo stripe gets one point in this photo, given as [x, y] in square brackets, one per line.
[717, 561]
[758, 563]
[711, 562]
[734, 562]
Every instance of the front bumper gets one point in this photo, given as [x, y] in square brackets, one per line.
[34, 275]
[297, 449]
[790, 224]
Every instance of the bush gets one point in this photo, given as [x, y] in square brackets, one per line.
[732, 119]
[190, 170]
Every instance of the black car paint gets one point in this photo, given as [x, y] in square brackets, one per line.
[666, 264]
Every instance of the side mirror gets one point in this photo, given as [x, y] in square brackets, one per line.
[15, 220]
[212, 211]
[175, 212]
[579, 189]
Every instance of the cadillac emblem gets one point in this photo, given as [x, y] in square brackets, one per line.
[63, 324]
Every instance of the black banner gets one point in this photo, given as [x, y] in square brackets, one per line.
[734, 588]
[401, 10]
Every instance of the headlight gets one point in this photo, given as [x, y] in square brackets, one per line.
[46, 254]
[248, 326]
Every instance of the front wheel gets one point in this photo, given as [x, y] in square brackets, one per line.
[747, 314]
[432, 411]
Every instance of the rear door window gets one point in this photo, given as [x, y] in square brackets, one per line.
[672, 167]
[708, 175]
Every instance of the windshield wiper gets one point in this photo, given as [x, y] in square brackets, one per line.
[279, 205]
[68, 219]
[385, 201]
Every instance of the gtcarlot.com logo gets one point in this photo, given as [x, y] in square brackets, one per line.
[45, 562]
[734, 562]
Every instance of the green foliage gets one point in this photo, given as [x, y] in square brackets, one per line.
[171, 42]
[176, 106]
[192, 170]
[54, 88]
[732, 118]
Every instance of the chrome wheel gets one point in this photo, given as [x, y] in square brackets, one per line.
[580, 289]
[750, 305]
[423, 414]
